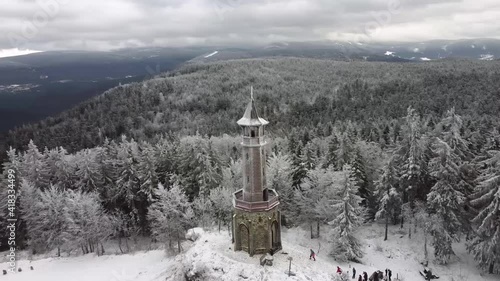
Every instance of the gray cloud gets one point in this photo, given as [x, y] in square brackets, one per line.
[102, 25]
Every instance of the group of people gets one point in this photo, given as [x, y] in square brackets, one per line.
[376, 276]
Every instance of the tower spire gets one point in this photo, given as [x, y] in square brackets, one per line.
[251, 92]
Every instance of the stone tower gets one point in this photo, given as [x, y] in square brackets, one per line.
[256, 219]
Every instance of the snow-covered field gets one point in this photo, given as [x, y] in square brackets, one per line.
[211, 258]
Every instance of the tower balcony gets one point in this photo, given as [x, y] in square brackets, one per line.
[266, 205]
[256, 141]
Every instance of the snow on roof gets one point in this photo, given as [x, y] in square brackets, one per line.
[251, 117]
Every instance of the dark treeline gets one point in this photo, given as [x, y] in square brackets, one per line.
[416, 145]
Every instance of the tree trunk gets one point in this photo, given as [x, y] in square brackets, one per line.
[102, 249]
[492, 265]
[386, 227]
[317, 228]
[179, 242]
[126, 244]
[402, 221]
[120, 243]
[409, 230]
[58, 251]
[426, 253]
[311, 230]
[219, 225]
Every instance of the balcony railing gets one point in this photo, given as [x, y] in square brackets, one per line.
[272, 201]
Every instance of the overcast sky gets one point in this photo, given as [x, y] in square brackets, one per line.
[108, 24]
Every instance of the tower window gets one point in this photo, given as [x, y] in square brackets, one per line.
[252, 133]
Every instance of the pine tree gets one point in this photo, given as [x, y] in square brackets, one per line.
[299, 170]
[34, 168]
[390, 201]
[88, 171]
[486, 244]
[345, 245]
[344, 153]
[170, 215]
[331, 156]
[444, 201]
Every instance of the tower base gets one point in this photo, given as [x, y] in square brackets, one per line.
[257, 232]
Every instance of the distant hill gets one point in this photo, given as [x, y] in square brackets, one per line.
[35, 86]
[480, 49]
[43, 84]
[293, 93]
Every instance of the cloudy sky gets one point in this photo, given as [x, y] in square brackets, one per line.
[109, 24]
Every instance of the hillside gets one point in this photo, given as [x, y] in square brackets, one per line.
[211, 258]
[294, 93]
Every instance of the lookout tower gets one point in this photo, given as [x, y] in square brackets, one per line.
[256, 219]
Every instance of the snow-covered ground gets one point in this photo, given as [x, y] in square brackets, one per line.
[211, 258]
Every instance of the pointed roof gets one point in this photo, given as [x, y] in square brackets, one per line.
[250, 117]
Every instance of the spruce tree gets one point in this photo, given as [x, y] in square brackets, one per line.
[345, 245]
[390, 198]
[486, 244]
[170, 215]
[445, 202]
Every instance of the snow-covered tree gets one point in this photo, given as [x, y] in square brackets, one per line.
[450, 130]
[146, 170]
[170, 215]
[444, 201]
[199, 167]
[344, 152]
[345, 245]
[486, 244]
[88, 171]
[279, 169]
[202, 208]
[299, 169]
[222, 204]
[45, 218]
[34, 168]
[87, 224]
[314, 202]
[390, 201]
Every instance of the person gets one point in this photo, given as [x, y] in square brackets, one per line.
[365, 276]
[339, 271]
[312, 255]
[353, 272]
[360, 278]
[389, 274]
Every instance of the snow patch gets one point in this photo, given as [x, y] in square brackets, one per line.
[425, 59]
[473, 46]
[212, 54]
[416, 50]
[487, 57]
[4, 53]
[389, 53]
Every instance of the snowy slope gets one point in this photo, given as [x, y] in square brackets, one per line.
[211, 258]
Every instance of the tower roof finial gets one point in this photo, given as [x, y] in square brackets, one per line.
[250, 117]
